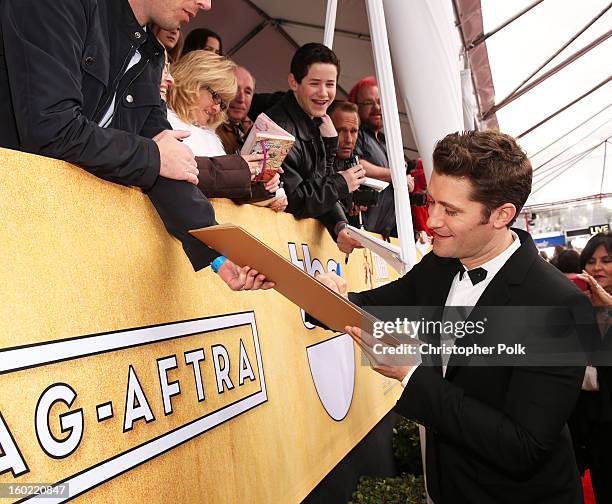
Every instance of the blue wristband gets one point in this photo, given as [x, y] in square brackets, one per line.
[216, 264]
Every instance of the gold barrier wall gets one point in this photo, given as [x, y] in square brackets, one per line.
[130, 378]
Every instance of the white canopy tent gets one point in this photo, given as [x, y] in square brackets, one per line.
[567, 151]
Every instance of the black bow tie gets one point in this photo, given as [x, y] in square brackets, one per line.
[476, 275]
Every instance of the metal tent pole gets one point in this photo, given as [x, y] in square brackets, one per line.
[388, 99]
[330, 23]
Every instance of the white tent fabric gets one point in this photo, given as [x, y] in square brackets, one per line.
[393, 137]
[568, 169]
[426, 51]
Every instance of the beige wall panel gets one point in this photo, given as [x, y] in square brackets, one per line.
[82, 257]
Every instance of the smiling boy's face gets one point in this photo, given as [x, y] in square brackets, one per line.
[317, 90]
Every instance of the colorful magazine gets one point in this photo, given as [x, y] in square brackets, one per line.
[268, 138]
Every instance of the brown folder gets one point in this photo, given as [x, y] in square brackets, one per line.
[322, 303]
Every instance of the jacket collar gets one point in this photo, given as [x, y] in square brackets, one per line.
[514, 270]
[306, 128]
[137, 34]
[380, 138]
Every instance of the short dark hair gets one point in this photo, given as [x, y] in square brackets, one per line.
[196, 40]
[343, 106]
[495, 165]
[568, 261]
[593, 244]
[309, 54]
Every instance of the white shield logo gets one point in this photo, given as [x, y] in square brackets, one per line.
[332, 365]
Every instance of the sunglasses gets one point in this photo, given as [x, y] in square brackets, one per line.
[216, 98]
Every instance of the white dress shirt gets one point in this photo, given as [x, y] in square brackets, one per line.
[463, 293]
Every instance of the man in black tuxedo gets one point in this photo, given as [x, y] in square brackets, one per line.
[495, 433]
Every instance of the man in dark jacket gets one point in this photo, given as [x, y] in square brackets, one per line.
[79, 81]
[312, 185]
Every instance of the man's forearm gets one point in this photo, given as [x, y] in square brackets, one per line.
[374, 171]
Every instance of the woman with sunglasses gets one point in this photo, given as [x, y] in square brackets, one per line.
[204, 83]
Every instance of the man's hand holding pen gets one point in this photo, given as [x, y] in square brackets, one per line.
[368, 343]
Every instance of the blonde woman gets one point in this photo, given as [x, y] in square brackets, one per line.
[204, 83]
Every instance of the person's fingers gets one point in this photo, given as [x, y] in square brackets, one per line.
[271, 186]
[191, 178]
[588, 279]
[267, 285]
[252, 157]
[339, 281]
[178, 134]
[355, 333]
[242, 276]
[326, 280]
[259, 281]
[250, 279]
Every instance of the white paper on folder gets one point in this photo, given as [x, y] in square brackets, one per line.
[389, 252]
[377, 185]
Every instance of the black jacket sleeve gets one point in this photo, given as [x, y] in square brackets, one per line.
[182, 207]
[312, 196]
[44, 43]
[333, 217]
[539, 402]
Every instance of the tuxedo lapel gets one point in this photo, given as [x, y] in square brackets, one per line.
[439, 281]
[433, 299]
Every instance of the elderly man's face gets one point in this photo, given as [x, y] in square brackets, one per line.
[239, 107]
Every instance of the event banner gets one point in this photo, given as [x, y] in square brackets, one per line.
[128, 377]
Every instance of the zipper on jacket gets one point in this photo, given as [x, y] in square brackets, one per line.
[124, 91]
[97, 117]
